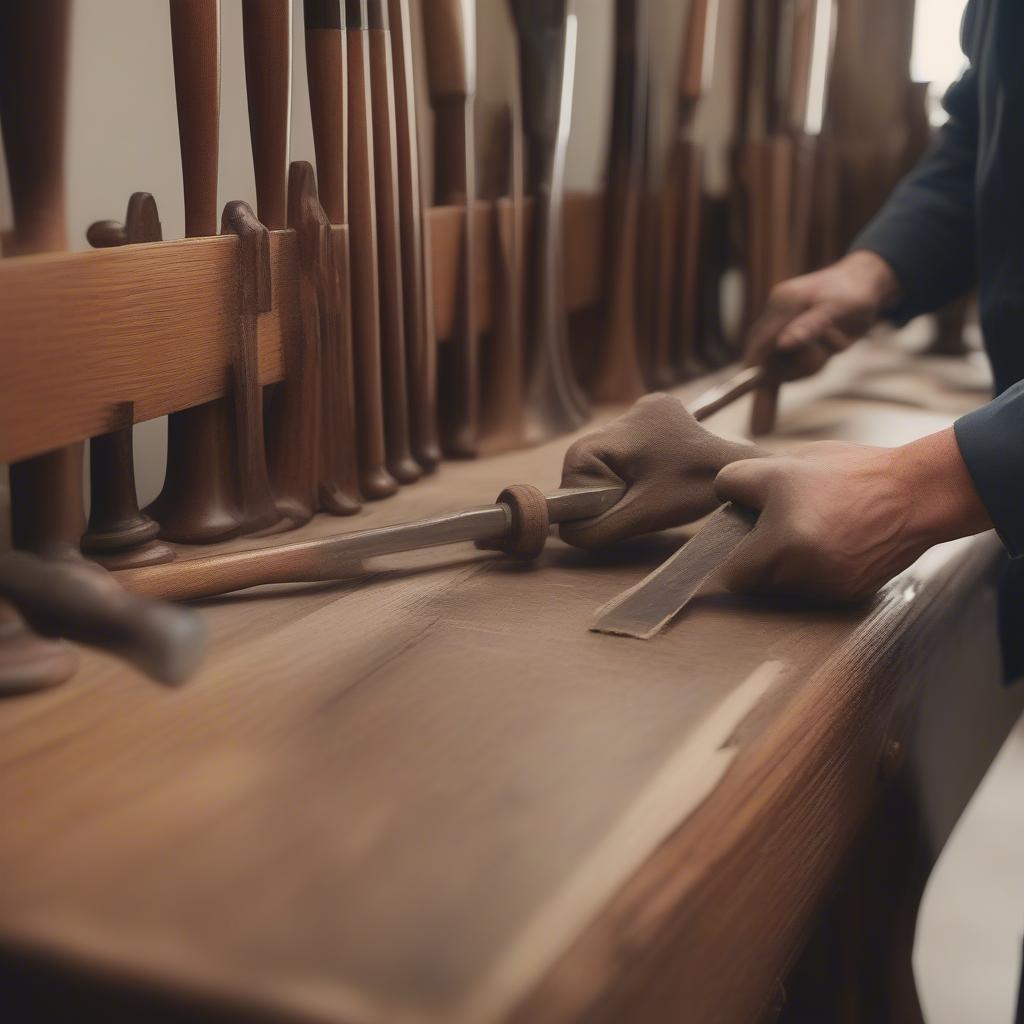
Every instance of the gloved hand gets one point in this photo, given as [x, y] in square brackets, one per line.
[810, 318]
[838, 520]
[667, 461]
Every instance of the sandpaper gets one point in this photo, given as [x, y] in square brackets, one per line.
[646, 608]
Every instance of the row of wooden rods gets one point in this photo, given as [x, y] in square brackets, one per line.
[388, 400]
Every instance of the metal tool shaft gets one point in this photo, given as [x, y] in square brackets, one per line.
[331, 558]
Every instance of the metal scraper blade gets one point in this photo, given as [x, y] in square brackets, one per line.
[646, 608]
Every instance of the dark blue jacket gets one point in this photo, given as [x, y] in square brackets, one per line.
[958, 220]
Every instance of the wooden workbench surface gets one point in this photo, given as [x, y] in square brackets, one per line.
[433, 795]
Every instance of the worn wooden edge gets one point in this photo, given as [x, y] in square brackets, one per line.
[831, 743]
[154, 325]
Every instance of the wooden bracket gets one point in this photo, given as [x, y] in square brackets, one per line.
[120, 535]
[259, 511]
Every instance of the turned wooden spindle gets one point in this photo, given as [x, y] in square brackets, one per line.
[547, 57]
[294, 448]
[48, 513]
[401, 464]
[617, 373]
[420, 337]
[27, 661]
[450, 33]
[376, 481]
[326, 63]
[199, 502]
[120, 535]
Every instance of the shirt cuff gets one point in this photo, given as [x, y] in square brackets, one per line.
[991, 441]
[901, 250]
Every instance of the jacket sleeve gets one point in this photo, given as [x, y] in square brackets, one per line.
[991, 441]
[925, 231]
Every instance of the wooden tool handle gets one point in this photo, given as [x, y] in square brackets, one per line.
[33, 79]
[195, 42]
[266, 27]
[83, 603]
[326, 62]
[450, 33]
[693, 60]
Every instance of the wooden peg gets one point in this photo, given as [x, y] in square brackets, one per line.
[199, 502]
[27, 662]
[450, 33]
[376, 480]
[294, 434]
[547, 57]
[420, 339]
[266, 30]
[47, 491]
[259, 512]
[617, 373]
[326, 60]
[119, 535]
[402, 466]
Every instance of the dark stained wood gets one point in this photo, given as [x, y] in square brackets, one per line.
[420, 337]
[266, 27]
[199, 502]
[48, 513]
[258, 509]
[376, 480]
[617, 374]
[450, 32]
[119, 534]
[362, 768]
[326, 60]
[27, 662]
[401, 464]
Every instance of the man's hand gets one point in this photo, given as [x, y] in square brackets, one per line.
[839, 520]
[667, 461]
[808, 319]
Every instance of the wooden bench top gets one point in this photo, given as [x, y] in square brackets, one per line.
[433, 795]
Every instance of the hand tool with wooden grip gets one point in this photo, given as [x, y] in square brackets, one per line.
[327, 77]
[618, 376]
[82, 602]
[678, 318]
[199, 502]
[120, 535]
[417, 285]
[401, 464]
[48, 508]
[518, 524]
[547, 55]
[288, 488]
[27, 661]
[450, 34]
[375, 479]
[803, 86]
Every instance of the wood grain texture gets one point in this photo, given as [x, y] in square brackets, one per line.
[199, 502]
[376, 481]
[119, 534]
[267, 35]
[48, 514]
[599, 830]
[617, 373]
[450, 31]
[401, 464]
[326, 71]
[420, 333]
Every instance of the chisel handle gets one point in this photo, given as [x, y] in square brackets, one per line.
[195, 44]
[266, 29]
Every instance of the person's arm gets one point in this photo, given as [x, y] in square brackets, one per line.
[917, 254]
[925, 231]
[839, 520]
